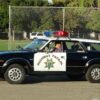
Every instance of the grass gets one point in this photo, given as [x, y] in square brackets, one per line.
[11, 45]
[3, 44]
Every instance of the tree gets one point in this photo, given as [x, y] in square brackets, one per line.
[94, 22]
[71, 20]
[3, 15]
[58, 2]
[55, 20]
[24, 19]
[88, 3]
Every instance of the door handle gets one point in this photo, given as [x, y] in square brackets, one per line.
[84, 57]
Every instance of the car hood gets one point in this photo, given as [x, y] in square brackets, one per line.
[13, 51]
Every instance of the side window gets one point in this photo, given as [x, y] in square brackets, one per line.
[74, 46]
[54, 46]
[48, 47]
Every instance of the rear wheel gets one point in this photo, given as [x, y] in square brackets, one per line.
[15, 74]
[93, 74]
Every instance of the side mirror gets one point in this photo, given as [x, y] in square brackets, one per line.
[46, 50]
[36, 49]
[19, 47]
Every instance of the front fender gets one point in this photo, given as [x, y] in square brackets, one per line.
[25, 63]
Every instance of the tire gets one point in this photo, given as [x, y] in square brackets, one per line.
[93, 74]
[15, 74]
[74, 77]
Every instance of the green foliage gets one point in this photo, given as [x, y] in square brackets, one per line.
[94, 21]
[83, 20]
[37, 19]
[3, 15]
[88, 3]
[4, 11]
[5, 43]
[70, 19]
[44, 19]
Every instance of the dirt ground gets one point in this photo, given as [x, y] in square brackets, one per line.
[50, 88]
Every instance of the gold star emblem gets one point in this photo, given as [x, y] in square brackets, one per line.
[49, 63]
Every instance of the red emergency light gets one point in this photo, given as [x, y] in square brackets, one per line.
[61, 34]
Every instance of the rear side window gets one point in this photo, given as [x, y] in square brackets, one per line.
[92, 46]
[74, 46]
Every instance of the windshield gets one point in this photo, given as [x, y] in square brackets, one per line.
[92, 46]
[35, 44]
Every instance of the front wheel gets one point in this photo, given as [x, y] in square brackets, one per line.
[15, 74]
[93, 74]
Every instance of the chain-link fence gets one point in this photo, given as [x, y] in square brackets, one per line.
[26, 21]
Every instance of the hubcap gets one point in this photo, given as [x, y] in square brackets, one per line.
[15, 74]
[95, 73]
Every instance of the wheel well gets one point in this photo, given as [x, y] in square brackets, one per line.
[86, 69]
[25, 66]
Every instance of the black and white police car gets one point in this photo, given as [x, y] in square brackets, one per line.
[39, 57]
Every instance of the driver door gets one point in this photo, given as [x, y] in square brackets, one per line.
[50, 61]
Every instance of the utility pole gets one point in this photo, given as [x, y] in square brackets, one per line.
[63, 18]
[9, 33]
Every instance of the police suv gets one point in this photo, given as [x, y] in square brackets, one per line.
[77, 58]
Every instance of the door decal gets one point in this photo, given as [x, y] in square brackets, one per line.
[50, 61]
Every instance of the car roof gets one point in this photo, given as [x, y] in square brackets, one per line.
[70, 39]
[51, 38]
[86, 40]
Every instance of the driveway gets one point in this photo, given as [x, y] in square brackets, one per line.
[50, 88]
